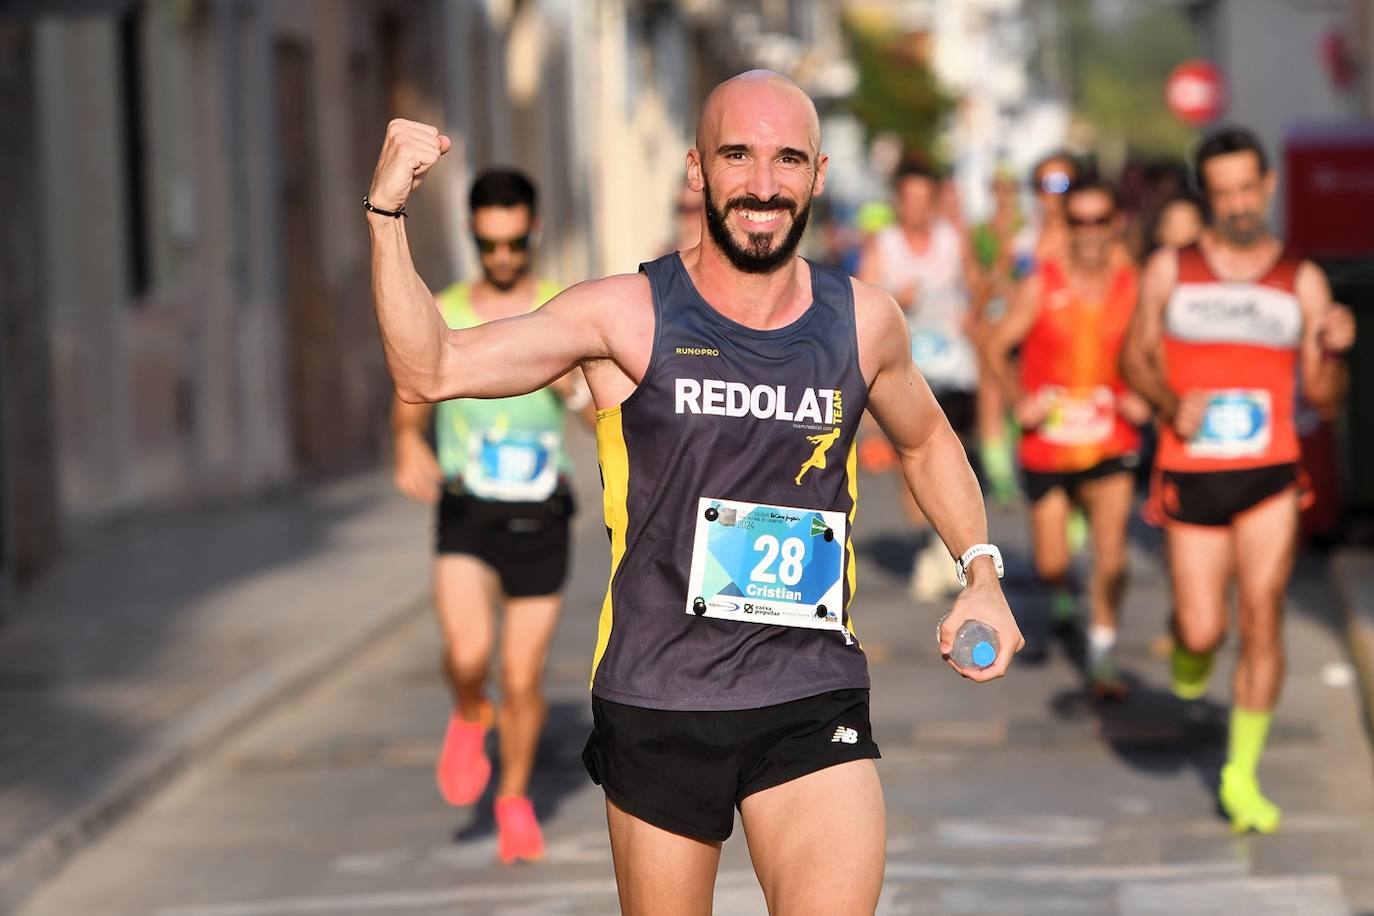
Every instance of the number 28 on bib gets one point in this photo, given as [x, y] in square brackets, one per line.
[776, 565]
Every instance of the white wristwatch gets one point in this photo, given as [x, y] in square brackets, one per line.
[973, 553]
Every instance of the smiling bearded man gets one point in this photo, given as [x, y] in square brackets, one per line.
[726, 672]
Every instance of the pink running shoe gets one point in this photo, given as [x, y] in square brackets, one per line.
[463, 768]
[520, 836]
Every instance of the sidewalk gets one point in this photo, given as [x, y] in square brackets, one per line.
[157, 640]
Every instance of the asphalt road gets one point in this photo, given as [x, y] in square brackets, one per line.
[1019, 797]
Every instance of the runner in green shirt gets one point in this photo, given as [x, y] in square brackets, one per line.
[499, 482]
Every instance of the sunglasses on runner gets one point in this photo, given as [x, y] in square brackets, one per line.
[518, 245]
[1079, 222]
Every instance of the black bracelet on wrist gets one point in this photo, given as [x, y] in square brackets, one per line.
[396, 214]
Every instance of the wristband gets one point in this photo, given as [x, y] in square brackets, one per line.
[395, 214]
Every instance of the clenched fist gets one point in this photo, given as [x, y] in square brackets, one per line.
[1189, 413]
[418, 474]
[409, 151]
[1336, 332]
[1031, 410]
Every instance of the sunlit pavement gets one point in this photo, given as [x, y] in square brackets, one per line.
[1020, 797]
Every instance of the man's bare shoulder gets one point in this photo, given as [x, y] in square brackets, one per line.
[1313, 291]
[1310, 280]
[615, 293]
[874, 306]
[618, 312]
[881, 328]
[1162, 266]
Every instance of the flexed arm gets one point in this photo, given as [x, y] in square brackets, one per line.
[412, 329]
[430, 362]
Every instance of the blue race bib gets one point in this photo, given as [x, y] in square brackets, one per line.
[1238, 424]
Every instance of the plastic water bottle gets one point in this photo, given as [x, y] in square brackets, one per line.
[975, 645]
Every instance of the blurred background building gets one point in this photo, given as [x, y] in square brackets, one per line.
[186, 299]
[186, 312]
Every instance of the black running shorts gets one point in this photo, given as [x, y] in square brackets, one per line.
[1039, 484]
[526, 543]
[1215, 498]
[960, 407]
[688, 771]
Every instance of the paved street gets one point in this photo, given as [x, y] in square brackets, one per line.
[1018, 797]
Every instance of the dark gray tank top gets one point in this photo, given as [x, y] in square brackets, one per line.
[725, 411]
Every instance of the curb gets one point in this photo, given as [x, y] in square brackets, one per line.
[1359, 627]
[174, 749]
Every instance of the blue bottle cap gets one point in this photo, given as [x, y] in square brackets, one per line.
[984, 654]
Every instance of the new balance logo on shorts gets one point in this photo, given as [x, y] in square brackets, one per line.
[845, 735]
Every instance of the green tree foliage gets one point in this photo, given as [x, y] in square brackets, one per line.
[897, 92]
[1119, 71]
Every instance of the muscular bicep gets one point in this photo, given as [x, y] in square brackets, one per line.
[518, 355]
[902, 403]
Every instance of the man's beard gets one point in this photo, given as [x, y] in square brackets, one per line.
[506, 284]
[1243, 229]
[756, 258]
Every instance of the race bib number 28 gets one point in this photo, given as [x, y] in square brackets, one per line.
[768, 564]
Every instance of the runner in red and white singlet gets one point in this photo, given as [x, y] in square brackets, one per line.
[1226, 332]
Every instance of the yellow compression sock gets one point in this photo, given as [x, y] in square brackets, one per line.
[1249, 732]
[1240, 793]
[999, 468]
[1191, 671]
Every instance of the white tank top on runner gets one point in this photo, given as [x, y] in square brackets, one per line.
[939, 346]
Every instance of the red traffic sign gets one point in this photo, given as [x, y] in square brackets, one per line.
[1196, 92]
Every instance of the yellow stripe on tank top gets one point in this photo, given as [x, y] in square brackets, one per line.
[851, 473]
[615, 489]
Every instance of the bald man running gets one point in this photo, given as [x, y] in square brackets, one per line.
[726, 670]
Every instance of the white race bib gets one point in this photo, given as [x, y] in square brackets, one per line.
[768, 564]
[1238, 424]
[512, 467]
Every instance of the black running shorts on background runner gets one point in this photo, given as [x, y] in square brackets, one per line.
[960, 407]
[1039, 484]
[687, 771]
[1215, 498]
[526, 543]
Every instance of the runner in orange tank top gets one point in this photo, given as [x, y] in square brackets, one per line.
[1080, 439]
[1225, 333]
